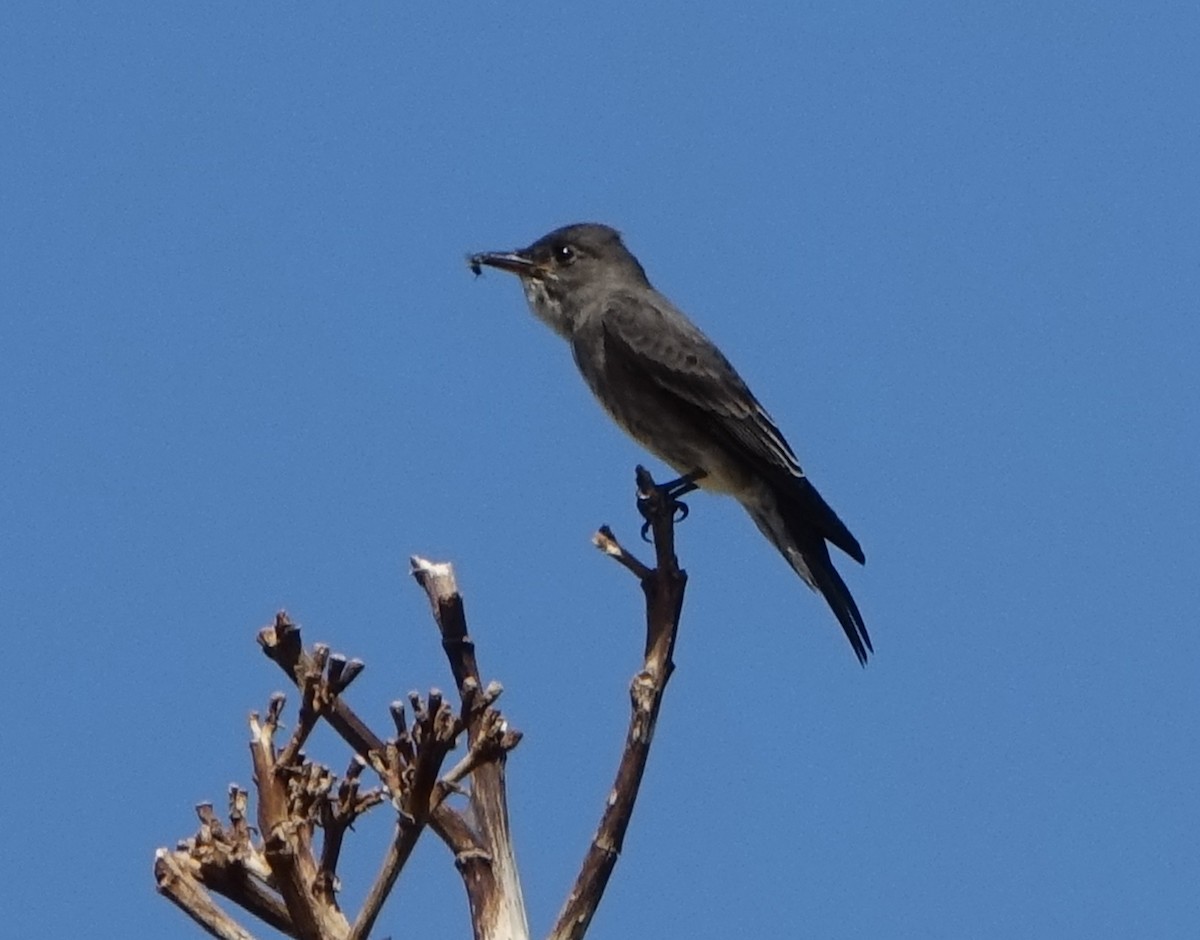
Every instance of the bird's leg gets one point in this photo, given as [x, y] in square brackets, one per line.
[670, 493]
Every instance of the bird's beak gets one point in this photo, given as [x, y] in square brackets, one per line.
[512, 261]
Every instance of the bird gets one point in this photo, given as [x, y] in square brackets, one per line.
[665, 383]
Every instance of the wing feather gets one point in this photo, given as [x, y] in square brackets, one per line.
[665, 347]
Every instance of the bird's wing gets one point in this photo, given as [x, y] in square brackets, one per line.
[651, 340]
[656, 341]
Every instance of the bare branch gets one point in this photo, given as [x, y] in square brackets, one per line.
[663, 588]
[490, 871]
[289, 797]
[441, 587]
[339, 814]
[419, 753]
[397, 856]
[607, 543]
[225, 860]
[178, 885]
[281, 643]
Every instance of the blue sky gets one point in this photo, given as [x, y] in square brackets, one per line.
[243, 366]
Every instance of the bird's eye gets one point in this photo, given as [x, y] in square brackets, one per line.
[564, 254]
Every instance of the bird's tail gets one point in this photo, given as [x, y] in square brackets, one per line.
[797, 523]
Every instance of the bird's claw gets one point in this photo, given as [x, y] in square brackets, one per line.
[679, 511]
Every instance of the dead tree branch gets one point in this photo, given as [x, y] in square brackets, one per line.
[284, 869]
[278, 875]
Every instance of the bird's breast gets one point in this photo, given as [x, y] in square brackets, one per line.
[673, 430]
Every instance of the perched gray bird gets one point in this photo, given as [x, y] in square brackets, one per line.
[667, 385]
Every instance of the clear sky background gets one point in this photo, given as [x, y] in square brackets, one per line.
[955, 250]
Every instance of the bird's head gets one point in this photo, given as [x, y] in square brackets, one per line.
[564, 271]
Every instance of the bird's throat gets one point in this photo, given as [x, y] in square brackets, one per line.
[546, 306]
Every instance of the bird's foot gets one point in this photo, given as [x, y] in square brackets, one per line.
[679, 509]
[669, 493]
